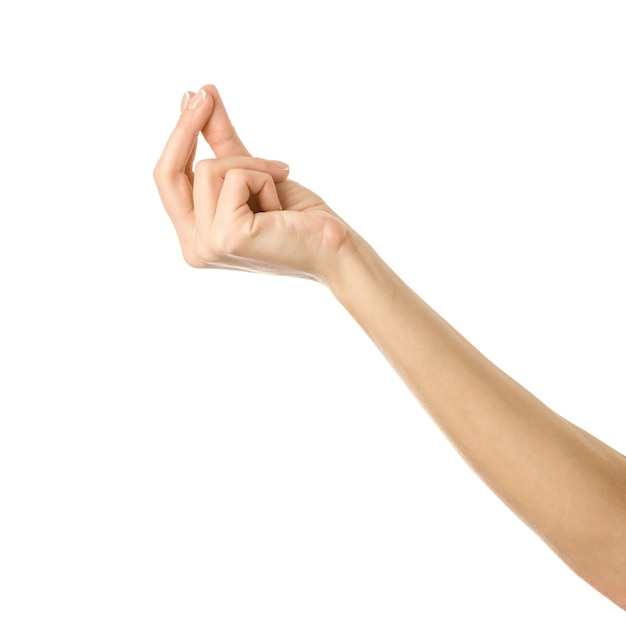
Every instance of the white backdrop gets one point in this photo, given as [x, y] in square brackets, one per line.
[188, 447]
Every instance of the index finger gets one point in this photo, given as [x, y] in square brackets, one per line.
[180, 144]
[171, 171]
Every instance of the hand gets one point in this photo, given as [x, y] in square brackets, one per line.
[237, 211]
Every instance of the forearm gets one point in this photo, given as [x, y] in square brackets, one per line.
[565, 484]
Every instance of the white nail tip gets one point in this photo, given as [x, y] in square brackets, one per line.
[199, 98]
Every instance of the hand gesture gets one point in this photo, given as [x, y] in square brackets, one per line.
[238, 211]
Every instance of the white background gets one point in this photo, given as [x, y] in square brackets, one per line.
[189, 447]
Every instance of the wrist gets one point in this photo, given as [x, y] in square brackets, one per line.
[357, 274]
[340, 265]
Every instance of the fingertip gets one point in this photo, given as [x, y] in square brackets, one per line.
[198, 100]
[195, 110]
[211, 90]
[281, 170]
[184, 104]
[211, 95]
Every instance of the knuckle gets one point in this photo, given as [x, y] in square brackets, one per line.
[204, 167]
[226, 243]
[261, 165]
[223, 244]
[236, 176]
[159, 173]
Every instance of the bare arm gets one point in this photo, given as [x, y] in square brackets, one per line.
[568, 486]
[238, 212]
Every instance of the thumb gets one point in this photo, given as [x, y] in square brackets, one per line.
[218, 130]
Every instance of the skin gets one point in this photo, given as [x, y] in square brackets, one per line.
[240, 212]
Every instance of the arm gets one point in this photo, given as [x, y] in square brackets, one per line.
[243, 213]
[568, 486]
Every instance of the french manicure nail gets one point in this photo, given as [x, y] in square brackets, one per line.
[283, 166]
[197, 100]
[185, 101]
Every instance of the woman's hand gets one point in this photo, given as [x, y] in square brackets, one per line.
[237, 211]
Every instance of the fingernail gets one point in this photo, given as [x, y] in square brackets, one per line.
[283, 166]
[197, 100]
[185, 101]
